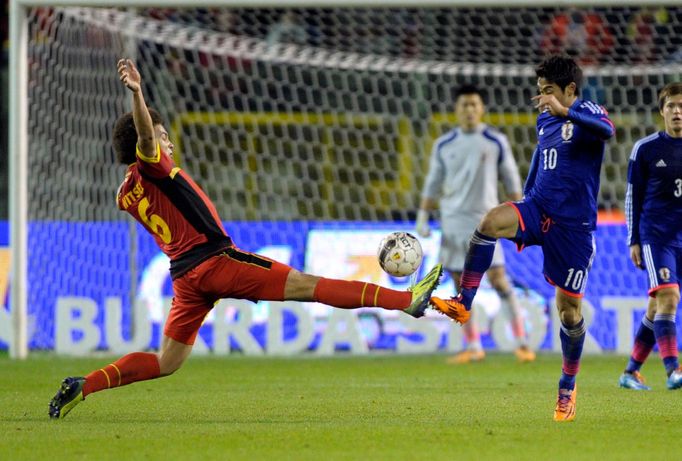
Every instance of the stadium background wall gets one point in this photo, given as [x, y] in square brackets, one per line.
[91, 312]
[292, 118]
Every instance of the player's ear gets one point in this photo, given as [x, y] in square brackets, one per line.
[570, 89]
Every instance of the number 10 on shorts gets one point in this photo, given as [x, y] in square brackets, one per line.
[575, 279]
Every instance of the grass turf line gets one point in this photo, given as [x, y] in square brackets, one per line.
[379, 407]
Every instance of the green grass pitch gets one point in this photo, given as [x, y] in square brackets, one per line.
[345, 408]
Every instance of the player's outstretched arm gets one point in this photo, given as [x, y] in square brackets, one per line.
[130, 76]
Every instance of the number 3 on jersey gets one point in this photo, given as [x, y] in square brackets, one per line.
[154, 221]
[549, 159]
[678, 188]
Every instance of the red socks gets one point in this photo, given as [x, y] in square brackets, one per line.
[352, 294]
[138, 366]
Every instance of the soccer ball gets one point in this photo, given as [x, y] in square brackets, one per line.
[400, 254]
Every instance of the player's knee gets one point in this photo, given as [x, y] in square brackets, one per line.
[489, 225]
[169, 365]
[300, 286]
[569, 310]
[667, 301]
[570, 317]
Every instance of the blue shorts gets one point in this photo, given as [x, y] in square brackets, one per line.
[568, 253]
[660, 262]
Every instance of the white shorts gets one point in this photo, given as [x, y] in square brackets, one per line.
[453, 251]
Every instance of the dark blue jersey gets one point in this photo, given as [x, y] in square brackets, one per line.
[653, 200]
[564, 171]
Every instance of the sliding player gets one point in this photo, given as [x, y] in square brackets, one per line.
[205, 264]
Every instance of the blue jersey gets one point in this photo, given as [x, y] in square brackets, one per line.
[564, 171]
[653, 200]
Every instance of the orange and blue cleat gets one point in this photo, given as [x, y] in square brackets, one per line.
[634, 381]
[675, 379]
[453, 308]
[565, 405]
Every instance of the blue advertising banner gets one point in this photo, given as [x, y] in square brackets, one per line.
[81, 285]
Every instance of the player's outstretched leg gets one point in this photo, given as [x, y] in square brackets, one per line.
[478, 260]
[68, 396]
[353, 294]
[633, 380]
[421, 292]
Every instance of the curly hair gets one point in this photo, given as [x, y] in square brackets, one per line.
[562, 70]
[124, 136]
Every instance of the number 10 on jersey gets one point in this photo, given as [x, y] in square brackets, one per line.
[549, 157]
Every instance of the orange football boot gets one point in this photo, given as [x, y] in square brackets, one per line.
[565, 405]
[467, 356]
[453, 308]
[524, 354]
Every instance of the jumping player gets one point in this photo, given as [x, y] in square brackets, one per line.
[558, 212]
[653, 205]
[466, 165]
[205, 263]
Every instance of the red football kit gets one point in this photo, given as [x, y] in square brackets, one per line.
[205, 265]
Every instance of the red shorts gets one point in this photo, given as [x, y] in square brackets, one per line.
[232, 274]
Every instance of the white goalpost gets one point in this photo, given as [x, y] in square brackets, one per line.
[333, 126]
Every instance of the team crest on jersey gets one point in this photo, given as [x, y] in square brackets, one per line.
[567, 131]
[664, 274]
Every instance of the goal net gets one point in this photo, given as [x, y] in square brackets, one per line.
[302, 125]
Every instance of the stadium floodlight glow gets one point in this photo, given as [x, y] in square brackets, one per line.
[330, 103]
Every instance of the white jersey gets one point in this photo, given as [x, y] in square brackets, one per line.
[464, 171]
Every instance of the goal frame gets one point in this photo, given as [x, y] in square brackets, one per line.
[18, 107]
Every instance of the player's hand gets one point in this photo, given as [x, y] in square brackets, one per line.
[636, 255]
[129, 75]
[549, 102]
[422, 224]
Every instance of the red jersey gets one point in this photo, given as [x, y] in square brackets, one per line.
[174, 209]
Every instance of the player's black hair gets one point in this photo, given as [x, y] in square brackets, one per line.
[124, 136]
[562, 70]
[671, 89]
[467, 89]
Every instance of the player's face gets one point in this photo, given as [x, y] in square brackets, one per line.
[564, 96]
[469, 109]
[672, 115]
[165, 142]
